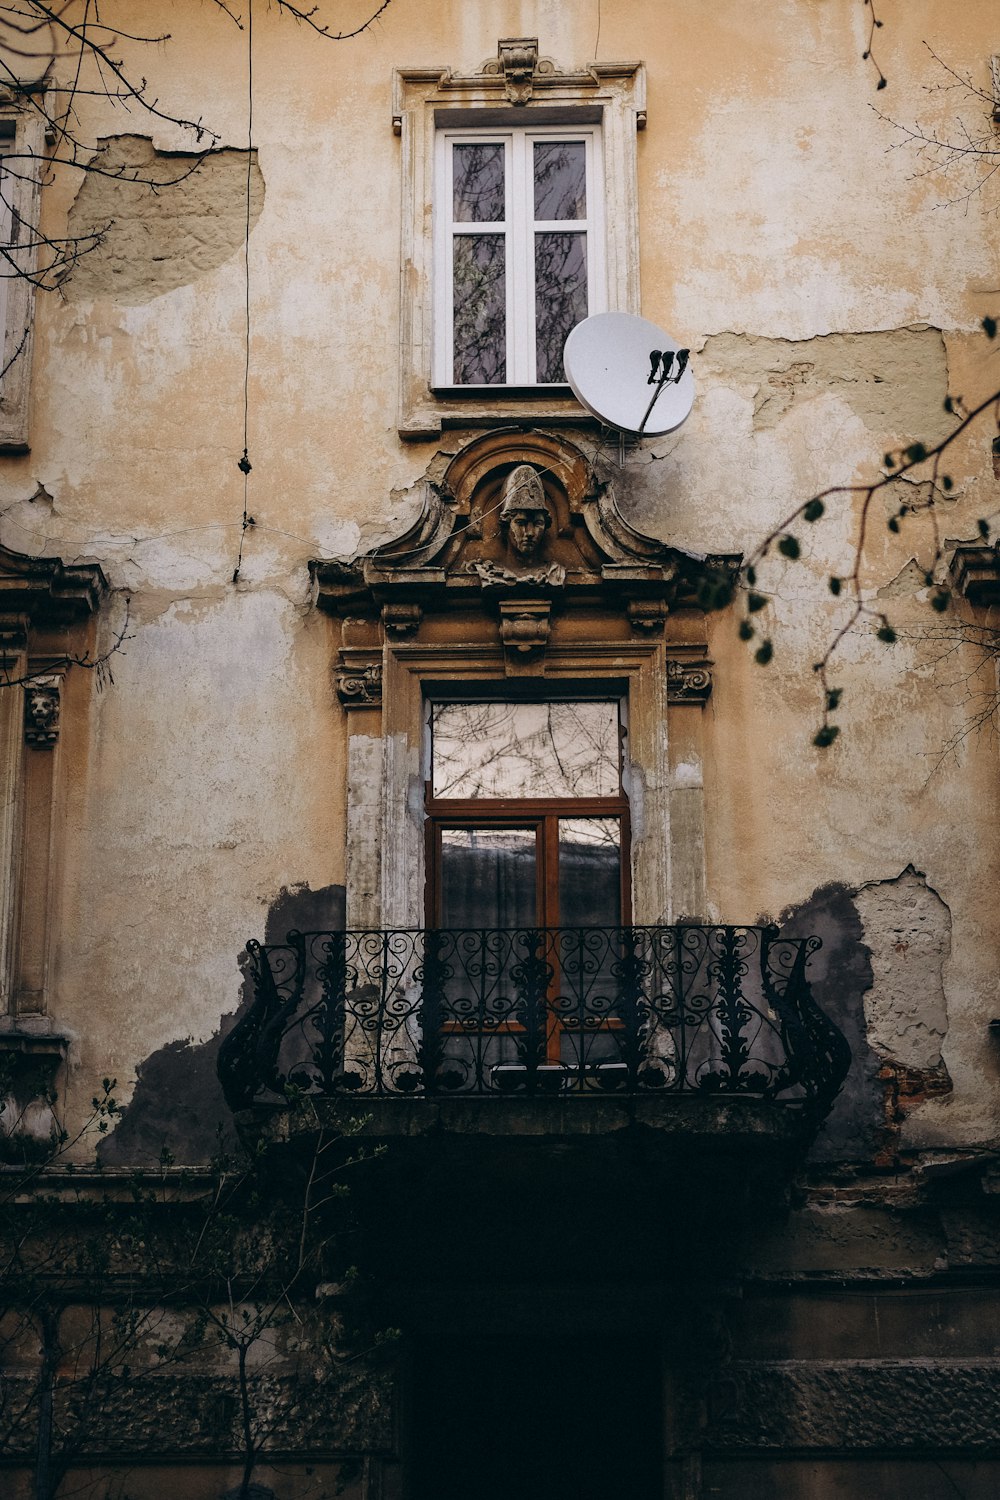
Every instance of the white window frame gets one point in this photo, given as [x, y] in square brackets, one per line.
[429, 103]
[22, 138]
[518, 228]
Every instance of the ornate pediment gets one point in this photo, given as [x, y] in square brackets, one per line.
[518, 517]
[519, 77]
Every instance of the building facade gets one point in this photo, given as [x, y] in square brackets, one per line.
[611, 817]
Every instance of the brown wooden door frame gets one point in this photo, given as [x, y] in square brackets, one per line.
[544, 816]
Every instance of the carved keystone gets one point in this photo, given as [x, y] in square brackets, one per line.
[401, 620]
[647, 615]
[519, 58]
[524, 630]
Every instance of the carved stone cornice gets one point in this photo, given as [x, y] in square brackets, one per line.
[48, 591]
[41, 712]
[975, 572]
[518, 77]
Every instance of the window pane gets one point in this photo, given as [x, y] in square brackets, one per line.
[488, 877]
[560, 180]
[589, 872]
[525, 750]
[477, 180]
[560, 297]
[480, 293]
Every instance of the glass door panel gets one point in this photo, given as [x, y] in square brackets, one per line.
[489, 989]
[585, 1005]
[590, 872]
[488, 878]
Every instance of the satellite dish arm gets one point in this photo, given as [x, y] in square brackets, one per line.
[665, 377]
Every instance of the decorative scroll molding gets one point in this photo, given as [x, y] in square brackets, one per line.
[41, 712]
[360, 687]
[688, 681]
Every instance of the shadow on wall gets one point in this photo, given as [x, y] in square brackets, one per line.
[178, 1102]
[840, 974]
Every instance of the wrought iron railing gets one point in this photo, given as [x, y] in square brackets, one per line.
[542, 1013]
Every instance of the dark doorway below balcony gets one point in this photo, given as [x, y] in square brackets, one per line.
[532, 1419]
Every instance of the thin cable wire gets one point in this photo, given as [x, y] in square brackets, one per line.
[244, 464]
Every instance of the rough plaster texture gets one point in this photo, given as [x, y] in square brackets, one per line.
[908, 1404]
[152, 239]
[177, 1103]
[907, 930]
[894, 380]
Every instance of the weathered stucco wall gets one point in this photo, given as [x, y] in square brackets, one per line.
[831, 304]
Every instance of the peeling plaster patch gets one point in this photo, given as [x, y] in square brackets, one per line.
[907, 930]
[178, 1101]
[909, 580]
[337, 539]
[29, 520]
[152, 242]
[895, 381]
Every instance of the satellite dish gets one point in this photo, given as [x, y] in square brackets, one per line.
[629, 373]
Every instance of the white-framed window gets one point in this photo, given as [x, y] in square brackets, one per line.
[22, 148]
[520, 102]
[519, 251]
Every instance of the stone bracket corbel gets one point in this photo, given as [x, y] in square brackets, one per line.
[401, 620]
[648, 616]
[524, 631]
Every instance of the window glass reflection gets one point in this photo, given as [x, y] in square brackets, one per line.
[477, 184]
[560, 180]
[506, 750]
[488, 877]
[480, 293]
[589, 872]
[560, 298]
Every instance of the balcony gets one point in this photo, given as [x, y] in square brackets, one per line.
[546, 1031]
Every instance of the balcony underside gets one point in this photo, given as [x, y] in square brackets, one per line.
[686, 1055]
